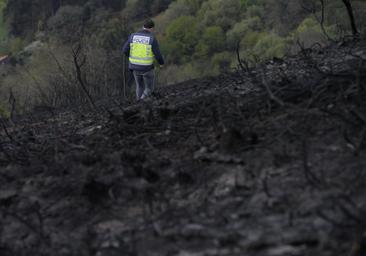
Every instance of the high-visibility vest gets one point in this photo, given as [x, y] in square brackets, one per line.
[141, 50]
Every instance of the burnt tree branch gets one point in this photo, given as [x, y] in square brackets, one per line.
[79, 63]
[351, 16]
[322, 19]
[243, 66]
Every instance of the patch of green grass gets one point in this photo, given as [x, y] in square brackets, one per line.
[4, 113]
[2, 26]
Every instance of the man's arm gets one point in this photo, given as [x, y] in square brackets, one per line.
[157, 53]
[126, 48]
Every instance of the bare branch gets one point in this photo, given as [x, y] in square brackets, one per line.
[322, 18]
[270, 94]
[78, 65]
[240, 61]
[12, 101]
[351, 16]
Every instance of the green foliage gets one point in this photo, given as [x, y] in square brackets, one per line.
[221, 62]
[250, 39]
[309, 32]
[4, 49]
[212, 40]
[245, 3]
[4, 113]
[255, 11]
[268, 46]
[2, 27]
[194, 5]
[197, 37]
[115, 5]
[181, 73]
[223, 13]
[111, 33]
[140, 9]
[15, 45]
[3, 3]
[176, 9]
[159, 5]
[23, 16]
[66, 24]
[182, 37]
[308, 24]
[242, 29]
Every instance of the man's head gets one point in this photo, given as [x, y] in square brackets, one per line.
[149, 25]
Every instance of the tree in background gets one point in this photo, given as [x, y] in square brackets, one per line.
[220, 13]
[198, 37]
[211, 41]
[181, 39]
[22, 16]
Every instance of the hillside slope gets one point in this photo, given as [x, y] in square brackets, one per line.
[198, 38]
[265, 162]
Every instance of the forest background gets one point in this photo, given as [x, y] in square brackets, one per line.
[58, 50]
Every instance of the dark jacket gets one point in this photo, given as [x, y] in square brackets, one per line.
[155, 49]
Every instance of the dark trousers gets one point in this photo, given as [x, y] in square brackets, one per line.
[144, 83]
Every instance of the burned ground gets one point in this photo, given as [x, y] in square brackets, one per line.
[269, 161]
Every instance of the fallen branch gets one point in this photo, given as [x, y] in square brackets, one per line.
[269, 91]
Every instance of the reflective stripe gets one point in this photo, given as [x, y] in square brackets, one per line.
[146, 58]
[141, 62]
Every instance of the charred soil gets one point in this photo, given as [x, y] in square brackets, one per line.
[269, 161]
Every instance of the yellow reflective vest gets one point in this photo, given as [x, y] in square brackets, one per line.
[141, 50]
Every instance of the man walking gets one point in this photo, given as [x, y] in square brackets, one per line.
[141, 48]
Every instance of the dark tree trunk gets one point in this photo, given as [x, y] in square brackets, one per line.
[348, 5]
[56, 4]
